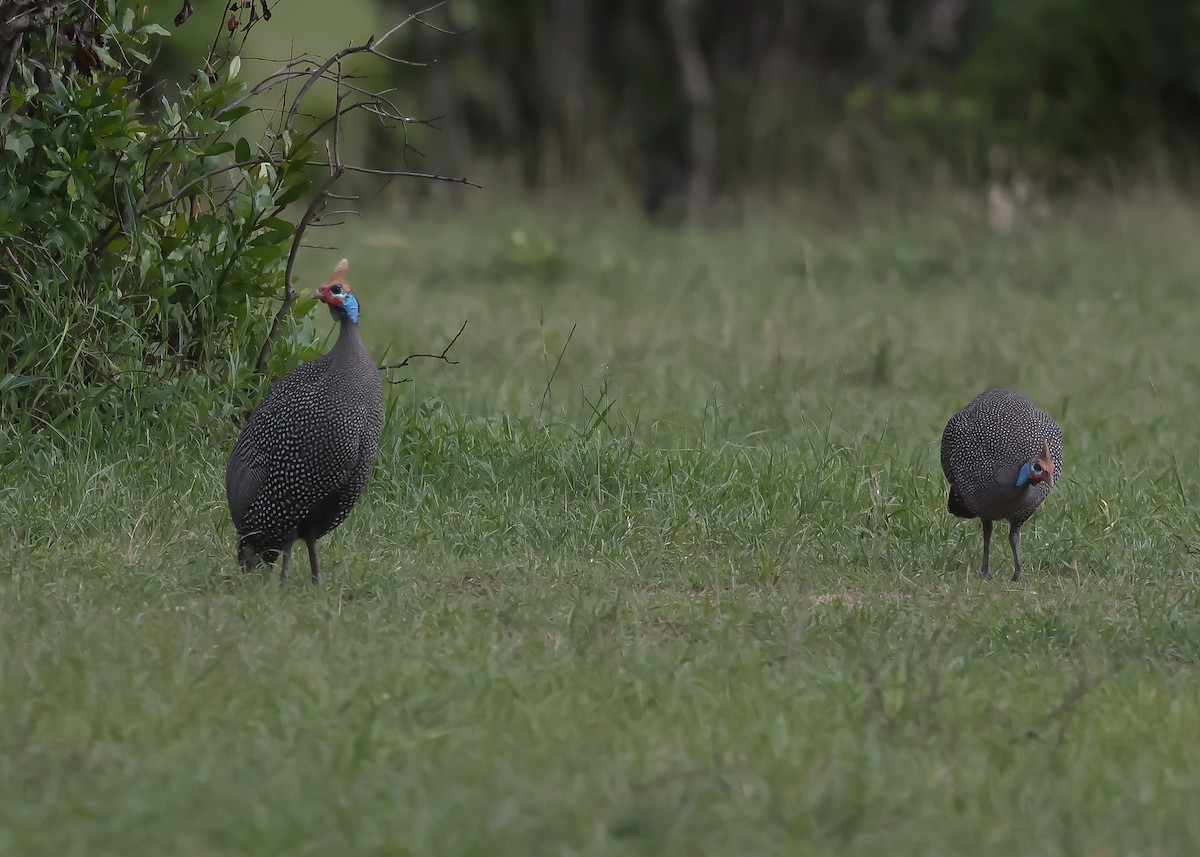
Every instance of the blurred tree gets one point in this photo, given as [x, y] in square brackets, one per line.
[694, 100]
[1069, 81]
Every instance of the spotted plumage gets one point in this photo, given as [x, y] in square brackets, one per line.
[305, 455]
[1002, 457]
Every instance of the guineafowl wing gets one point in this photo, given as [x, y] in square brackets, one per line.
[950, 438]
[244, 479]
[250, 464]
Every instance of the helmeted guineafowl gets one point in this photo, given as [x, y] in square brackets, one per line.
[305, 455]
[1002, 457]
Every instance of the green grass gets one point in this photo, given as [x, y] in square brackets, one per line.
[703, 599]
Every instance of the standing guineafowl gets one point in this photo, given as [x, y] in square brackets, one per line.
[306, 453]
[1001, 456]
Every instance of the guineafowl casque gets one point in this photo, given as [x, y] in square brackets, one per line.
[1002, 457]
[306, 452]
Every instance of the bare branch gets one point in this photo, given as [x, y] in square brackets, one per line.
[25, 17]
[415, 16]
[13, 50]
[200, 180]
[399, 61]
[288, 100]
[322, 124]
[283, 74]
[289, 294]
[404, 174]
[441, 30]
[371, 44]
[388, 367]
[337, 116]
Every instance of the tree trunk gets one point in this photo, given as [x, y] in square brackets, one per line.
[698, 90]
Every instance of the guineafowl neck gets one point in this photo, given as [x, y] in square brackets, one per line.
[348, 338]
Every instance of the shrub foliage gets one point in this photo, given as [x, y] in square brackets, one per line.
[144, 241]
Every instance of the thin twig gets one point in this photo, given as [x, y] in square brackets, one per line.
[404, 174]
[443, 356]
[441, 30]
[16, 264]
[320, 125]
[399, 61]
[185, 188]
[415, 16]
[337, 116]
[289, 294]
[280, 75]
[350, 51]
[557, 363]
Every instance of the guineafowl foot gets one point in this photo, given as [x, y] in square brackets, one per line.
[1014, 541]
[313, 562]
[986, 571]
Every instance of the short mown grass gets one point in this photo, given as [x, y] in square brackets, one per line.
[701, 597]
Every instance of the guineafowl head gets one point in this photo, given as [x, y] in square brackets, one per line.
[336, 294]
[1038, 469]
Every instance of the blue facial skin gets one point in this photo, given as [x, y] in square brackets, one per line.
[349, 304]
[1026, 472]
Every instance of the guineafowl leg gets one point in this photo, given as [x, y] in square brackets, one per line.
[313, 562]
[287, 555]
[986, 573]
[1014, 539]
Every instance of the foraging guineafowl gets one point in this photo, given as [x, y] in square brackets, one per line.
[1002, 457]
[306, 452]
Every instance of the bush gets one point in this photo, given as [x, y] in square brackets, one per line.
[144, 244]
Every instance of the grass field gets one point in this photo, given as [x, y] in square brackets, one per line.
[701, 598]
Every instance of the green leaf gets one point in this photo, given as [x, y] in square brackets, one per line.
[17, 196]
[11, 381]
[218, 148]
[293, 193]
[278, 224]
[263, 252]
[18, 144]
[233, 114]
[242, 149]
[270, 239]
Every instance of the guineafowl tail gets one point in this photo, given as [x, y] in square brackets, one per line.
[956, 506]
